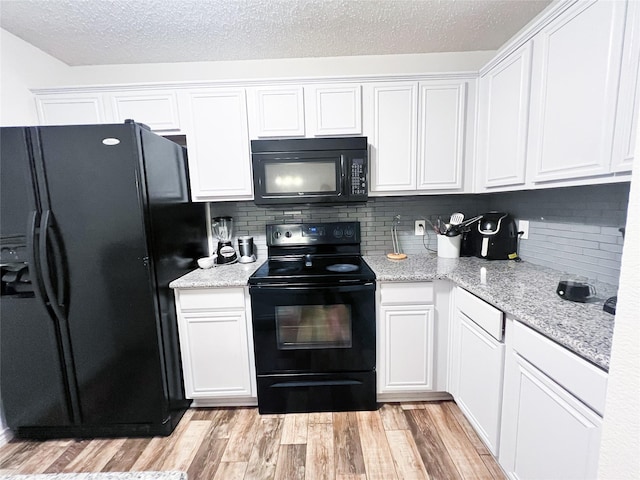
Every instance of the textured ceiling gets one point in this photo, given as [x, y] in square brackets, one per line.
[99, 32]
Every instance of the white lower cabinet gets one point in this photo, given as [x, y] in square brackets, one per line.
[550, 429]
[406, 338]
[478, 364]
[216, 345]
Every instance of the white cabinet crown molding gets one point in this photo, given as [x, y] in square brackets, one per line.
[260, 82]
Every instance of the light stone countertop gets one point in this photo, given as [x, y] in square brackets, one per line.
[233, 275]
[524, 290]
[521, 289]
[101, 476]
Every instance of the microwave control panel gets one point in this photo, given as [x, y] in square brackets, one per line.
[358, 176]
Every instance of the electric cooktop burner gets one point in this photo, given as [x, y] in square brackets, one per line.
[343, 267]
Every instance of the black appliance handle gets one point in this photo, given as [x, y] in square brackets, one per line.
[302, 287]
[34, 260]
[56, 300]
[344, 179]
[316, 383]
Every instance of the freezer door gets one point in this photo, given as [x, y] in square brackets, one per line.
[97, 202]
[32, 378]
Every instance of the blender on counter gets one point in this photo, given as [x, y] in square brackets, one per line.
[222, 229]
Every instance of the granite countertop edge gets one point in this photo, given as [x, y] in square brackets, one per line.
[520, 289]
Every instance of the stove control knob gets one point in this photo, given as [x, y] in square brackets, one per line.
[276, 234]
[348, 232]
[287, 234]
[338, 233]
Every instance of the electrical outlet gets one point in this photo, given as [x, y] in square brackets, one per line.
[420, 226]
[523, 226]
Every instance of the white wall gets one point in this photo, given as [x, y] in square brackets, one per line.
[620, 450]
[21, 66]
[282, 68]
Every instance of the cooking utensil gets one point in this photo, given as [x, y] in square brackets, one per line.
[469, 222]
[456, 218]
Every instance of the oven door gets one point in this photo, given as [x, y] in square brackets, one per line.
[314, 329]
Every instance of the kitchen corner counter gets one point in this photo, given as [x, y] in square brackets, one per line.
[521, 289]
[234, 275]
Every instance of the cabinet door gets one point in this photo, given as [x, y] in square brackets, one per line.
[279, 112]
[406, 349]
[391, 113]
[629, 95]
[441, 133]
[504, 120]
[576, 70]
[479, 379]
[81, 109]
[216, 355]
[546, 432]
[157, 109]
[334, 109]
[218, 143]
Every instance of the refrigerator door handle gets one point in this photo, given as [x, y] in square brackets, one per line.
[56, 302]
[34, 260]
[56, 299]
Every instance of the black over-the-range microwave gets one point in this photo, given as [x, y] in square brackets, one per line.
[310, 170]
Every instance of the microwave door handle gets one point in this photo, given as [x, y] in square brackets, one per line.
[344, 187]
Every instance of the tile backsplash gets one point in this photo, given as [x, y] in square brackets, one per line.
[572, 229]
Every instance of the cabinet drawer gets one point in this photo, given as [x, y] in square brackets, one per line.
[399, 293]
[587, 382]
[489, 318]
[211, 298]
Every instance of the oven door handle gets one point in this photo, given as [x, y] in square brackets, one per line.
[316, 383]
[293, 287]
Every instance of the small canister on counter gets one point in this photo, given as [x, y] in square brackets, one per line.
[449, 247]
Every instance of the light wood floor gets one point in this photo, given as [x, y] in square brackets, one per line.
[399, 441]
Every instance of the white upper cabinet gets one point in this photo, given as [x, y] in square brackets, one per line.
[277, 112]
[576, 72]
[441, 134]
[391, 114]
[218, 144]
[419, 134]
[629, 98]
[503, 121]
[156, 109]
[333, 110]
[71, 109]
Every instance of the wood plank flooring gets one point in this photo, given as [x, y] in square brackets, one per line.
[428, 440]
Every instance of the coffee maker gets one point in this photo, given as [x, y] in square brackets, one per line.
[222, 229]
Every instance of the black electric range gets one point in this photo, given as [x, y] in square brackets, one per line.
[314, 320]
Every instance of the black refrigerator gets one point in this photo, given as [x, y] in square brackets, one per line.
[95, 221]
